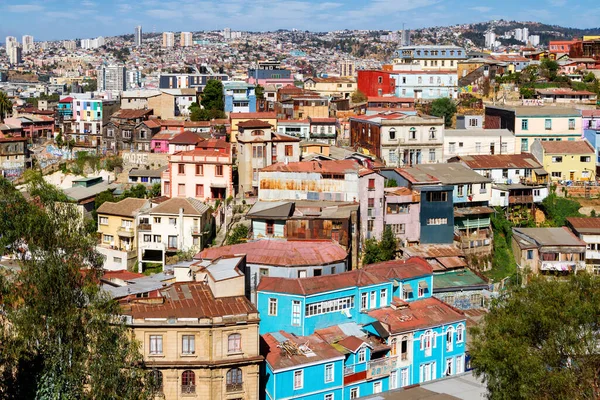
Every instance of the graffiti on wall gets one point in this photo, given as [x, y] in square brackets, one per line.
[136, 158]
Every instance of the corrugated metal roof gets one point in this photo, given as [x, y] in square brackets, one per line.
[523, 160]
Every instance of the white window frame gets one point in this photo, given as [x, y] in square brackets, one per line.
[272, 305]
[188, 344]
[329, 373]
[460, 364]
[363, 301]
[383, 297]
[404, 377]
[460, 333]
[361, 356]
[298, 379]
[354, 393]
[155, 345]
[449, 367]
[450, 343]
[296, 312]
[377, 387]
[103, 221]
[373, 300]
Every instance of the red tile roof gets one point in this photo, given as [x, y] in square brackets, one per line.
[585, 224]
[186, 137]
[213, 144]
[281, 253]
[152, 123]
[131, 114]
[277, 137]
[567, 147]
[192, 300]
[66, 100]
[351, 343]
[171, 122]
[335, 166]
[323, 120]
[590, 113]
[523, 160]
[420, 314]
[124, 275]
[254, 123]
[253, 115]
[390, 99]
[371, 274]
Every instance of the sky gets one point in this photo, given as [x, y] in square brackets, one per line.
[71, 19]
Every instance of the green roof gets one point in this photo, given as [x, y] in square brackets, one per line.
[456, 279]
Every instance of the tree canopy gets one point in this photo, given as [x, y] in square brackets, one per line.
[358, 97]
[444, 107]
[61, 336]
[541, 341]
[212, 96]
[383, 250]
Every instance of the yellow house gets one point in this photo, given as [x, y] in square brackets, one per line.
[200, 335]
[236, 118]
[566, 160]
[118, 232]
[314, 148]
[332, 87]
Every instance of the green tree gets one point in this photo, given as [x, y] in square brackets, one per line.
[90, 85]
[444, 107]
[541, 341]
[154, 191]
[527, 92]
[549, 69]
[371, 252]
[358, 97]
[212, 96]
[260, 92]
[383, 250]
[557, 209]
[60, 335]
[239, 234]
[5, 105]
[390, 183]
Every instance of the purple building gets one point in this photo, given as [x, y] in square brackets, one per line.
[591, 119]
[371, 195]
[402, 212]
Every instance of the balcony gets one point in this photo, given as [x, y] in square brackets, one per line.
[196, 230]
[125, 231]
[234, 387]
[144, 227]
[561, 265]
[375, 368]
[188, 389]
[522, 199]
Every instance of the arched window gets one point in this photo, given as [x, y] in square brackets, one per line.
[157, 378]
[460, 332]
[393, 345]
[427, 342]
[380, 79]
[412, 133]
[404, 348]
[234, 343]
[234, 380]
[432, 133]
[392, 134]
[188, 382]
[449, 338]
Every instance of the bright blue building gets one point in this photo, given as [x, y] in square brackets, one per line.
[426, 85]
[593, 136]
[65, 108]
[239, 97]
[357, 333]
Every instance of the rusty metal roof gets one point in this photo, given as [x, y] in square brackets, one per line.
[567, 147]
[584, 225]
[315, 349]
[281, 253]
[523, 160]
[433, 251]
[332, 167]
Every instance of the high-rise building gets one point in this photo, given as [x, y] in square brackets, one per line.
[405, 40]
[15, 55]
[168, 39]
[112, 77]
[227, 33]
[27, 41]
[186, 39]
[525, 35]
[10, 41]
[137, 36]
[69, 44]
[534, 40]
[92, 43]
[490, 39]
[347, 68]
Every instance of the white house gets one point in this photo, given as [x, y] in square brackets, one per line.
[462, 142]
[588, 230]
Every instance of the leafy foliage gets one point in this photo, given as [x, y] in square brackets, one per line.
[541, 341]
[358, 97]
[389, 183]
[239, 234]
[444, 107]
[5, 105]
[384, 250]
[212, 96]
[557, 209]
[260, 92]
[60, 335]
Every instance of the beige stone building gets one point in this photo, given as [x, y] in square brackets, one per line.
[200, 335]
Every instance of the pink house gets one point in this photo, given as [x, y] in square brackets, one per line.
[402, 209]
[160, 141]
[204, 173]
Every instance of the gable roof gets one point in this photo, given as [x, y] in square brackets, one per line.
[124, 208]
[585, 225]
[186, 137]
[523, 160]
[535, 237]
[448, 173]
[567, 147]
[254, 123]
[172, 206]
[333, 166]
[131, 114]
[253, 115]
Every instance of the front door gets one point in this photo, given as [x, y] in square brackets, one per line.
[572, 175]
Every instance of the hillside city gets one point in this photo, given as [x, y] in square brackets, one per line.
[409, 214]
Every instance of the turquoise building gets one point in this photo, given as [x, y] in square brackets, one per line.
[357, 333]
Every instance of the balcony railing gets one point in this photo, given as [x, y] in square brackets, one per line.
[188, 389]
[375, 368]
[527, 199]
[561, 265]
[144, 227]
[234, 387]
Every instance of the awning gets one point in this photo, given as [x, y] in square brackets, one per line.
[218, 185]
[406, 288]
[540, 171]
[423, 285]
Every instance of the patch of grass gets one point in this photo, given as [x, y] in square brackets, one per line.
[152, 268]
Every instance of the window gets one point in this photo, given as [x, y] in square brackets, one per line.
[460, 364]
[181, 169]
[188, 344]
[188, 382]
[394, 208]
[483, 188]
[398, 229]
[404, 381]
[298, 379]
[156, 344]
[257, 152]
[503, 147]
[157, 220]
[379, 79]
[172, 221]
[354, 393]
[530, 254]
[377, 387]
[371, 184]
[556, 174]
[392, 133]
[448, 370]
[147, 238]
[524, 144]
[556, 159]
[199, 169]
[452, 147]
[172, 242]
[478, 147]
[157, 238]
[431, 155]
[362, 355]
[404, 348]
[393, 157]
[234, 343]
[103, 221]
[329, 306]
[328, 396]
[181, 189]
[524, 124]
[426, 342]
[412, 134]
[383, 298]
[270, 227]
[571, 124]
[460, 190]
[233, 380]
[295, 312]
[449, 339]
[272, 306]
[432, 133]
[328, 373]
[289, 150]
[548, 124]
[469, 189]
[107, 238]
[373, 302]
[218, 170]
[199, 190]
[437, 196]
[460, 331]
[421, 291]
[363, 301]
[505, 173]
[585, 159]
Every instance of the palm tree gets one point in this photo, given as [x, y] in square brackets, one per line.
[5, 105]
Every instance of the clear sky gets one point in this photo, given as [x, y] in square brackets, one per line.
[70, 19]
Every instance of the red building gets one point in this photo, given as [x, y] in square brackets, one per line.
[561, 46]
[376, 83]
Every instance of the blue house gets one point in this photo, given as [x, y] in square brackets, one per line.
[426, 85]
[379, 328]
[65, 108]
[593, 136]
[239, 97]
